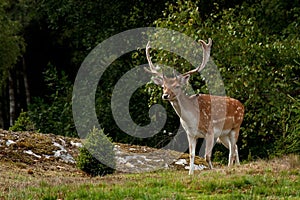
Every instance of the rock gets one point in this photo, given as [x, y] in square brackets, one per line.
[62, 153]
[76, 144]
[181, 162]
[9, 142]
[31, 153]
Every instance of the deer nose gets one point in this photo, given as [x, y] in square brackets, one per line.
[165, 96]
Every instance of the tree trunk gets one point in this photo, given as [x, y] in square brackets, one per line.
[26, 85]
[12, 105]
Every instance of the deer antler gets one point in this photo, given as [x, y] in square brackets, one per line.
[152, 69]
[206, 55]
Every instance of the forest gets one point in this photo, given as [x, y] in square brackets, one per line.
[256, 47]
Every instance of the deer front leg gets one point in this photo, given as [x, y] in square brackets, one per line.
[192, 149]
[226, 141]
[208, 149]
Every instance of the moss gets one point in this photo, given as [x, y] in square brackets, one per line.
[16, 157]
[198, 160]
[40, 144]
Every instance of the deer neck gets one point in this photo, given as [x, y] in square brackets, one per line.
[184, 106]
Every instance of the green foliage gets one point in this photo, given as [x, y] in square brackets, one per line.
[53, 114]
[23, 123]
[290, 140]
[276, 16]
[97, 148]
[89, 164]
[79, 26]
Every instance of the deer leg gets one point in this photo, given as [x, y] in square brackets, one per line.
[192, 149]
[227, 143]
[237, 160]
[225, 140]
[208, 149]
[233, 149]
[234, 138]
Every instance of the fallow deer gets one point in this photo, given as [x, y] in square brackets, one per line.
[202, 115]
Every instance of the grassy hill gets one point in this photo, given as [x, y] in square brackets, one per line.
[53, 179]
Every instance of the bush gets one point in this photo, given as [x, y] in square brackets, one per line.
[97, 157]
[289, 143]
[23, 123]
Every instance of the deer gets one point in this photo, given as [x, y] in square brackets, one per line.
[195, 111]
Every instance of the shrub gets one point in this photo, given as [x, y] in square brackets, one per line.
[97, 156]
[289, 143]
[23, 123]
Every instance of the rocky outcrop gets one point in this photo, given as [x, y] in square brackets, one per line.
[31, 149]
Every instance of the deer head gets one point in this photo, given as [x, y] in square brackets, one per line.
[173, 87]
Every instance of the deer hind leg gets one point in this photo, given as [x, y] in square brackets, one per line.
[192, 149]
[233, 148]
[208, 149]
[235, 137]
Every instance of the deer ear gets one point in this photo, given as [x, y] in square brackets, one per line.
[184, 79]
[157, 80]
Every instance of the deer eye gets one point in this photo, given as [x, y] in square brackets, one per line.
[177, 86]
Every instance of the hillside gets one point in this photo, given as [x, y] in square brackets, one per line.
[42, 166]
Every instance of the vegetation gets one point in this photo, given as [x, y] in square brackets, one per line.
[275, 179]
[256, 47]
[23, 123]
[96, 158]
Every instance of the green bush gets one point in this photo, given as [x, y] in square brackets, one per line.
[23, 123]
[97, 157]
[289, 143]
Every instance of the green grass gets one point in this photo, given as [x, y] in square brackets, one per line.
[259, 180]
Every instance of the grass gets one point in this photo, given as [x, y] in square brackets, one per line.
[275, 179]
